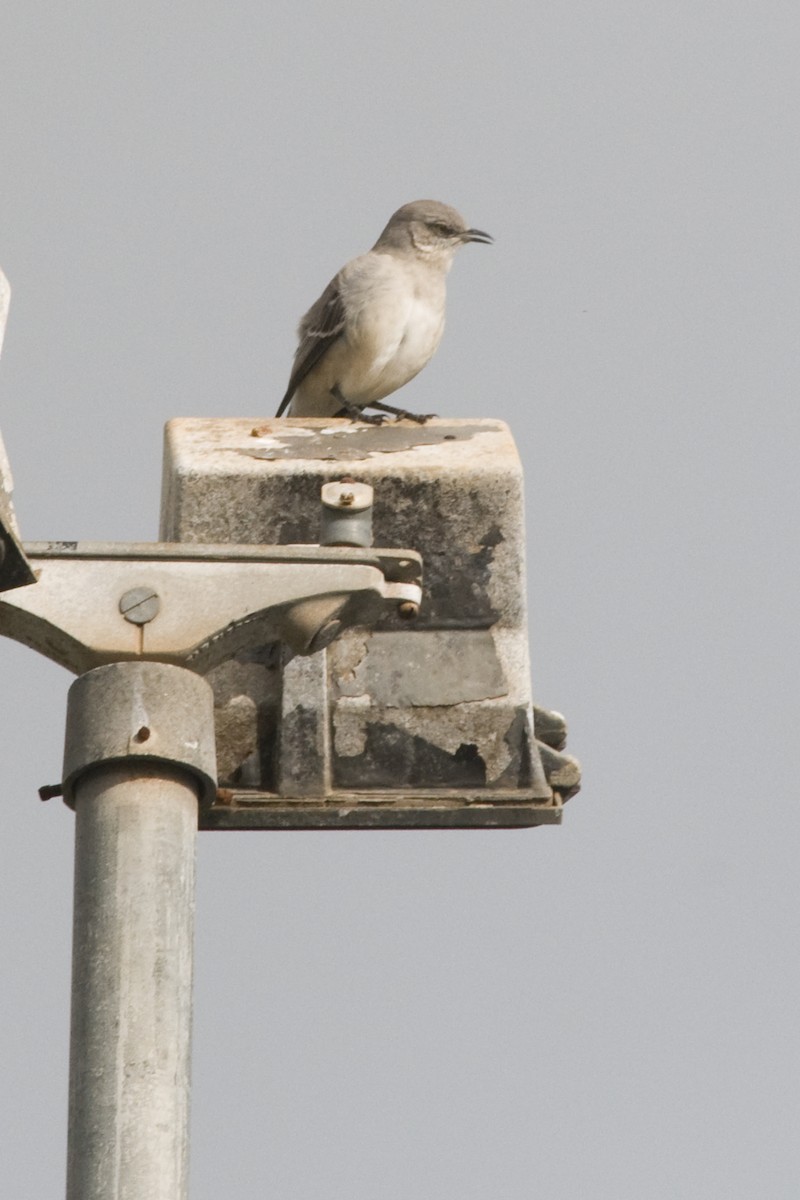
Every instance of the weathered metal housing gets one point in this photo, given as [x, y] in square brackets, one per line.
[418, 723]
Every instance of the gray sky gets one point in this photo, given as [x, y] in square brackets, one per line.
[605, 1011]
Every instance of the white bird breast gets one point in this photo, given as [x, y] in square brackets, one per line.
[391, 339]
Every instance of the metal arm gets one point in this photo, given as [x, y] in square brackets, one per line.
[95, 603]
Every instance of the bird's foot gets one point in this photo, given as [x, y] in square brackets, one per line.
[401, 414]
[356, 414]
[353, 411]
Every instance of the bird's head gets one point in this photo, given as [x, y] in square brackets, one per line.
[431, 229]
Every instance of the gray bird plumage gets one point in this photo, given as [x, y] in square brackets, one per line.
[380, 320]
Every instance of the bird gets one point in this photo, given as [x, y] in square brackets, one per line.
[380, 319]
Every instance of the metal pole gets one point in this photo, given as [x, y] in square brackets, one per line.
[134, 776]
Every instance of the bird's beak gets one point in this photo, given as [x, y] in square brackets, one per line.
[477, 235]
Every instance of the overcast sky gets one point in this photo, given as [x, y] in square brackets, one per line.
[601, 1011]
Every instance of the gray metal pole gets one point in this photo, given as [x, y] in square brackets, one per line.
[132, 775]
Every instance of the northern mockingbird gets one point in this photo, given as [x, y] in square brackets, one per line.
[380, 320]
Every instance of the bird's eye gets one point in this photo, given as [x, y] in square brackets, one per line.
[442, 228]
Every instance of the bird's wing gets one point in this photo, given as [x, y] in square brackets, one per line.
[319, 329]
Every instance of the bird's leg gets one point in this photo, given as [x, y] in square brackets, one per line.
[400, 413]
[352, 410]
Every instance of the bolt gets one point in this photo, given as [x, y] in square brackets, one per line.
[50, 790]
[139, 605]
[407, 609]
[346, 499]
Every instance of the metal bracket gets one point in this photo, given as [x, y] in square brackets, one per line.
[94, 603]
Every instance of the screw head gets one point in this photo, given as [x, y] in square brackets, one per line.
[407, 609]
[139, 605]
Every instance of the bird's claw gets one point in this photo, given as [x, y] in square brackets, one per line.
[402, 414]
[357, 414]
[420, 418]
